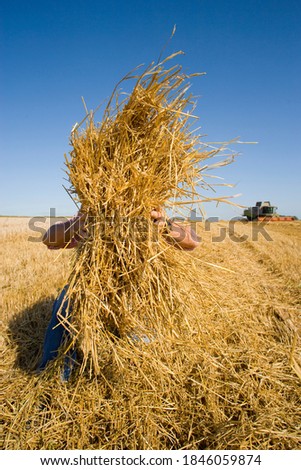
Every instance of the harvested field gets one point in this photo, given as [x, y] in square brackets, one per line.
[237, 385]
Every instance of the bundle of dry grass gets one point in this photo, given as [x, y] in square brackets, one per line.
[142, 155]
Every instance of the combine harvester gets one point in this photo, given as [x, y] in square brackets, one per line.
[264, 211]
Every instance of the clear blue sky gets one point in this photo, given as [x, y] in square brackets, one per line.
[54, 52]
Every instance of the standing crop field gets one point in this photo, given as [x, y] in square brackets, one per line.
[236, 385]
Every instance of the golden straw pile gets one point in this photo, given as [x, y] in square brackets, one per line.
[124, 281]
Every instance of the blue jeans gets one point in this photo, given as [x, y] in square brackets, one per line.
[55, 335]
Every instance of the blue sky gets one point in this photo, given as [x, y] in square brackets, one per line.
[54, 52]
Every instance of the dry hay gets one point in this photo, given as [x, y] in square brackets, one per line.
[217, 373]
[125, 280]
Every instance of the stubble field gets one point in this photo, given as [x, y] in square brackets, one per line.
[239, 389]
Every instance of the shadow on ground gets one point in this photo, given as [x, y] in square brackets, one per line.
[26, 332]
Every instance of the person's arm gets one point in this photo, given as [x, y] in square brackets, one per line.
[64, 234]
[178, 235]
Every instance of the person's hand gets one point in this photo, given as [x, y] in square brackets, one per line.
[80, 226]
[181, 237]
[159, 218]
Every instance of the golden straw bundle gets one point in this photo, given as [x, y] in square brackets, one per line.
[141, 155]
